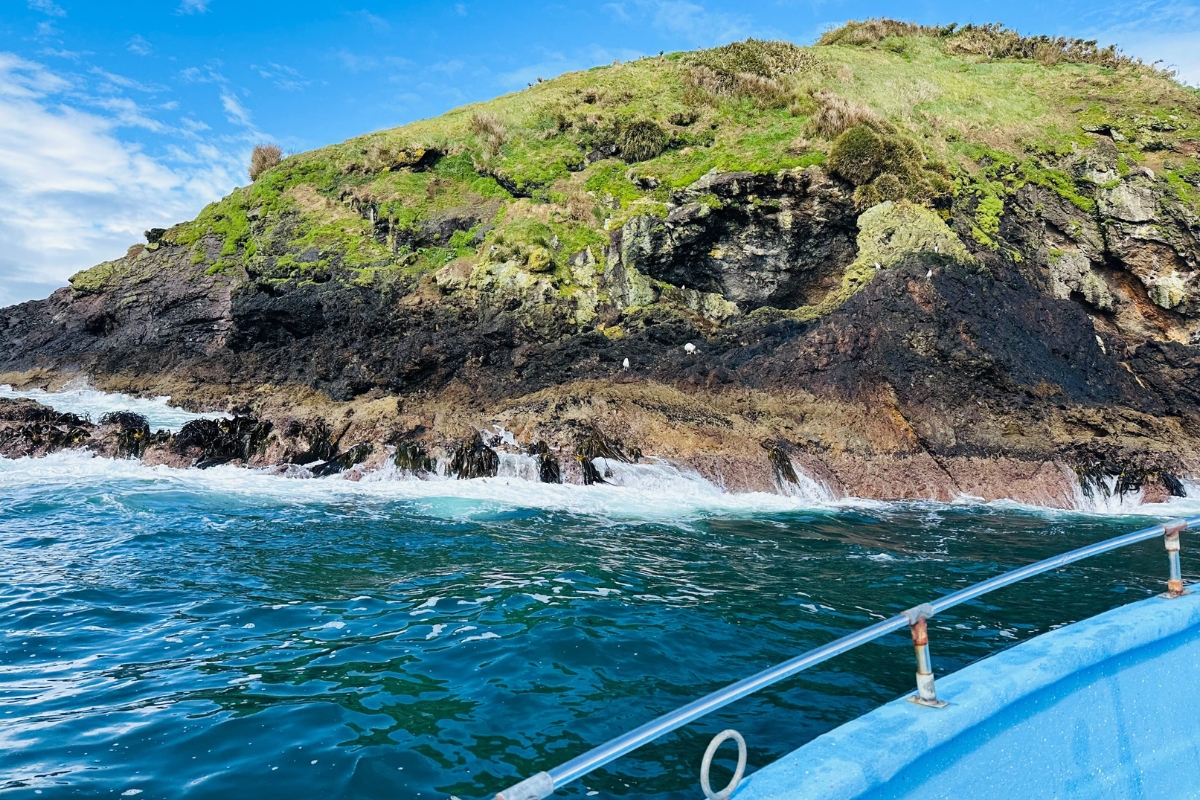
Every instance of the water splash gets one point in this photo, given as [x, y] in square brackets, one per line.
[806, 487]
[78, 397]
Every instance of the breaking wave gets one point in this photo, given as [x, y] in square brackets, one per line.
[78, 397]
[654, 489]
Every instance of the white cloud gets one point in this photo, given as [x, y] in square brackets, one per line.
[47, 7]
[193, 6]
[235, 112]
[72, 194]
[283, 76]
[139, 45]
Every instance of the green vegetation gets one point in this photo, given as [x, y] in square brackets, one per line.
[945, 123]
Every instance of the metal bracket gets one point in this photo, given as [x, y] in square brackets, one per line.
[918, 613]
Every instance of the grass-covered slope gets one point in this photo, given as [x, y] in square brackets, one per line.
[927, 115]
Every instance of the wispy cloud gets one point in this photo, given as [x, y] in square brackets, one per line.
[47, 7]
[551, 64]
[375, 21]
[138, 45]
[193, 6]
[235, 112]
[124, 82]
[283, 76]
[1152, 30]
[696, 24]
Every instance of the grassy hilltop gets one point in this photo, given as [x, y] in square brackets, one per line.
[901, 111]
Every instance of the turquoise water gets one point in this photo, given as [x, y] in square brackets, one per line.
[228, 634]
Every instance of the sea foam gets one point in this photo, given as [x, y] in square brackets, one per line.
[78, 397]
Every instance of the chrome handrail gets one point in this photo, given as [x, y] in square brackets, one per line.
[543, 784]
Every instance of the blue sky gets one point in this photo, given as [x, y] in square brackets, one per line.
[116, 117]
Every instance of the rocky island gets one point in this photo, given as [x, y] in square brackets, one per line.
[907, 262]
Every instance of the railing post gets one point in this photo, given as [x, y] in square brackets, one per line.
[1171, 532]
[926, 691]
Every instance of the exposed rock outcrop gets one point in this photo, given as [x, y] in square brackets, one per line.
[1001, 335]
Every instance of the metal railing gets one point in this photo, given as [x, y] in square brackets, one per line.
[543, 784]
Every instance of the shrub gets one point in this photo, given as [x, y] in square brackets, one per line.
[885, 165]
[746, 69]
[263, 158]
[995, 42]
[489, 130]
[875, 30]
[835, 114]
[766, 59]
[641, 140]
[858, 155]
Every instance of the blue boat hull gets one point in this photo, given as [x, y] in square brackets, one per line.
[1108, 707]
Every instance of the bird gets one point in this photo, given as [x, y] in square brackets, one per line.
[929, 274]
[625, 365]
[689, 348]
[876, 265]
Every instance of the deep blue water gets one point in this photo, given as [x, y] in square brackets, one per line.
[225, 634]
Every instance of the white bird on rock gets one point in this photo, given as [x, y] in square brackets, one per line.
[689, 348]
[929, 274]
[625, 365]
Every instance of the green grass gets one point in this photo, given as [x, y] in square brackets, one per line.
[974, 129]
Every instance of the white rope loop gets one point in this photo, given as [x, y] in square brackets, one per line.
[717, 741]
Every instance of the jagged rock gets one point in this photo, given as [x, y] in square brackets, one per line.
[28, 428]
[210, 442]
[133, 433]
[344, 461]
[1132, 201]
[786, 248]
[894, 232]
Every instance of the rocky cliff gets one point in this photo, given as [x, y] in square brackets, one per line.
[910, 262]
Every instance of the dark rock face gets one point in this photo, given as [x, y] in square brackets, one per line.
[768, 240]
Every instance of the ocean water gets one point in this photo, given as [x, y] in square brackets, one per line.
[230, 634]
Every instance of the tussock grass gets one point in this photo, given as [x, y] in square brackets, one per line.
[835, 114]
[488, 129]
[264, 157]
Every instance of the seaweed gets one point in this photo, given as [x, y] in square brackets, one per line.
[344, 461]
[781, 463]
[221, 441]
[474, 459]
[134, 435]
[411, 456]
[549, 470]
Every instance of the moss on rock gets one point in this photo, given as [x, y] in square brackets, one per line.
[893, 232]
